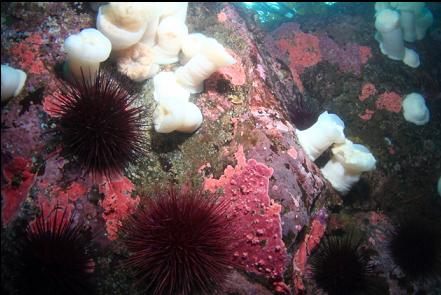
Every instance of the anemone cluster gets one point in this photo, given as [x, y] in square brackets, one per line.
[397, 22]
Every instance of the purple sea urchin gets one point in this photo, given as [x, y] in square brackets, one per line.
[100, 125]
[179, 243]
[53, 257]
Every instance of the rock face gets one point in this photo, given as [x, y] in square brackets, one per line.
[246, 148]
[261, 130]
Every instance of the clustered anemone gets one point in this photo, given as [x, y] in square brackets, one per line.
[53, 256]
[339, 267]
[100, 125]
[416, 248]
[179, 242]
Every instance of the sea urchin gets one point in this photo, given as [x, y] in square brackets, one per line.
[179, 243]
[416, 248]
[339, 268]
[100, 125]
[53, 257]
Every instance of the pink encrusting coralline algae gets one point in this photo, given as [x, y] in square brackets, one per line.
[389, 101]
[258, 246]
[367, 115]
[367, 91]
[19, 178]
[117, 203]
[303, 51]
[350, 57]
[27, 52]
[300, 50]
[309, 243]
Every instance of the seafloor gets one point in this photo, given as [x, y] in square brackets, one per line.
[246, 144]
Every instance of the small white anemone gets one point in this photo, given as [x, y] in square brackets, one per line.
[171, 115]
[415, 109]
[166, 87]
[346, 165]
[13, 81]
[411, 58]
[191, 46]
[171, 32]
[124, 23]
[327, 130]
[211, 57]
[85, 51]
[387, 23]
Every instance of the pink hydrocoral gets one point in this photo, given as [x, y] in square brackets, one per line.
[258, 246]
[389, 101]
[74, 192]
[367, 90]
[53, 208]
[117, 204]
[19, 180]
[365, 54]
[27, 52]
[222, 17]
[309, 243]
[367, 115]
[303, 50]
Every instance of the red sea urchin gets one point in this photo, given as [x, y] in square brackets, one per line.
[100, 125]
[415, 247]
[179, 243]
[339, 268]
[53, 257]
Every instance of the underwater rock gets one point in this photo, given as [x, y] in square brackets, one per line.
[247, 107]
[237, 283]
[21, 133]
